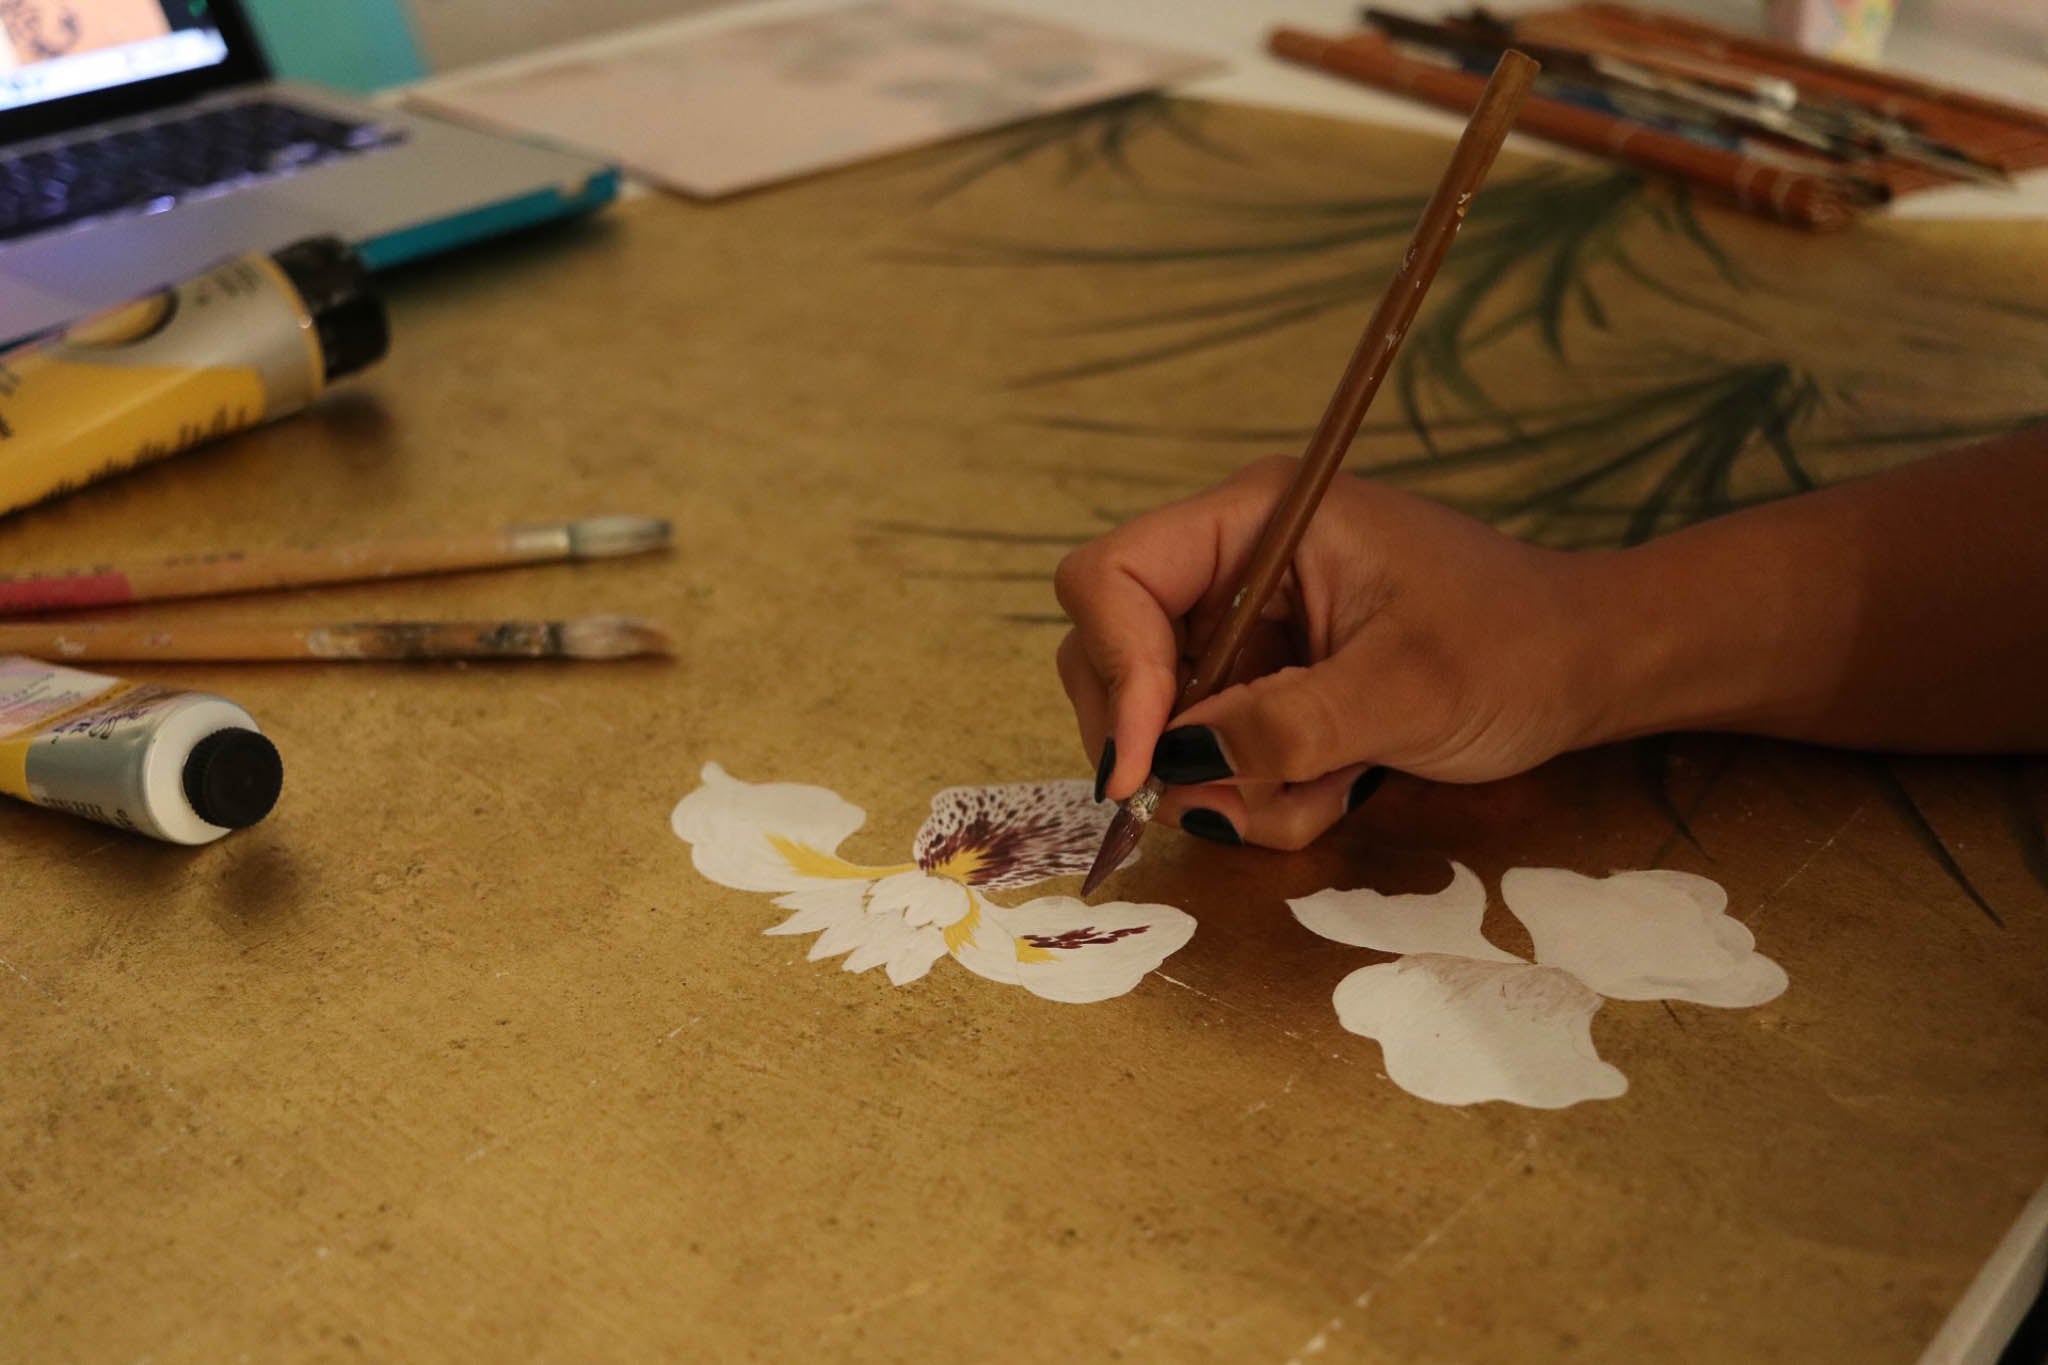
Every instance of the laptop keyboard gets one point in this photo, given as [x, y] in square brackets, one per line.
[155, 165]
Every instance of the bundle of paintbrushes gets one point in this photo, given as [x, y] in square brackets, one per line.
[1777, 131]
[217, 575]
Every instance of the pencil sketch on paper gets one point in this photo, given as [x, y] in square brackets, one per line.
[783, 838]
[1460, 1020]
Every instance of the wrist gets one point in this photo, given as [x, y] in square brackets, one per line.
[1725, 626]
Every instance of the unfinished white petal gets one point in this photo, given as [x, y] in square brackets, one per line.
[765, 836]
[1445, 921]
[1457, 1031]
[1755, 980]
[1651, 935]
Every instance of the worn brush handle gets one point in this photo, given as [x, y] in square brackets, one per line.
[374, 640]
[1368, 367]
[234, 572]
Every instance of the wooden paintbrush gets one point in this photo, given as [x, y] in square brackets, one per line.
[217, 575]
[1488, 128]
[590, 637]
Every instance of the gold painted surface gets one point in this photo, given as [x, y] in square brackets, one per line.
[457, 1057]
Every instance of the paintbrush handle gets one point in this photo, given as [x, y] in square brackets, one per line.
[235, 572]
[1374, 355]
[1492, 116]
[407, 641]
[1792, 196]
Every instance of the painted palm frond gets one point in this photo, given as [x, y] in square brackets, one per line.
[1079, 140]
[1529, 260]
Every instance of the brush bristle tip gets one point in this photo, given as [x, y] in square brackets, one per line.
[614, 637]
[610, 537]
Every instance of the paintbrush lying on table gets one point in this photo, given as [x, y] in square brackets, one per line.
[587, 638]
[223, 574]
[1274, 552]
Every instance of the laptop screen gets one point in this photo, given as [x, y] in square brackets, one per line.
[52, 49]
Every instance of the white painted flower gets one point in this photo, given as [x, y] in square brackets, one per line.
[1460, 1020]
[784, 837]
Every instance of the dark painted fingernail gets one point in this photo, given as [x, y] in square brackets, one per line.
[1204, 823]
[1105, 767]
[1189, 753]
[1361, 791]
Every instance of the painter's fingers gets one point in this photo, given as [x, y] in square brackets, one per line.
[1129, 591]
[1087, 695]
[1282, 815]
[1293, 725]
[1216, 811]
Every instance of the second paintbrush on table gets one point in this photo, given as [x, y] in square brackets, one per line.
[231, 572]
[586, 638]
[1367, 368]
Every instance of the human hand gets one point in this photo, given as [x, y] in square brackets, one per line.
[1405, 635]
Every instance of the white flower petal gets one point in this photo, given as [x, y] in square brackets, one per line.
[1064, 949]
[766, 836]
[871, 940]
[818, 908]
[983, 946]
[1445, 921]
[1013, 835]
[1653, 935]
[846, 935]
[915, 955]
[1756, 979]
[1457, 1031]
[883, 938]
[919, 899]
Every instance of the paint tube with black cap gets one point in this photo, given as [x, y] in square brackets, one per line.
[251, 339]
[184, 767]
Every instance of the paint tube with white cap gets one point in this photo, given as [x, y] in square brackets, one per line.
[185, 767]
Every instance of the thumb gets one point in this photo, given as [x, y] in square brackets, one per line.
[1294, 725]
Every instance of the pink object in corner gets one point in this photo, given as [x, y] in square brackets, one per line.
[1851, 29]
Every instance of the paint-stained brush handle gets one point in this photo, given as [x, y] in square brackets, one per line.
[1370, 361]
[231, 572]
[589, 638]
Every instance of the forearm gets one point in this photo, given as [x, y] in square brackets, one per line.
[1905, 611]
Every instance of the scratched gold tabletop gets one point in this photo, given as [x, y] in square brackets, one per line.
[458, 1056]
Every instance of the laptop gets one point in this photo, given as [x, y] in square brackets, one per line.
[143, 140]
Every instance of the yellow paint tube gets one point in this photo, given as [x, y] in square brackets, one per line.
[253, 338]
[185, 767]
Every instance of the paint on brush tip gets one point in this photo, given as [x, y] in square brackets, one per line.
[783, 838]
[1460, 1020]
[591, 637]
[611, 637]
[610, 537]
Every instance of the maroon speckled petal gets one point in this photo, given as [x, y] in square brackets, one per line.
[1013, 835]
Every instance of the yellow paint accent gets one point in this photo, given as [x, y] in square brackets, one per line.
[962, 866]
[806, 861]
[962, 929]
[1031, 952]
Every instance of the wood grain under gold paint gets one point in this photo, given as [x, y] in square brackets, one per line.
[457, 1057]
